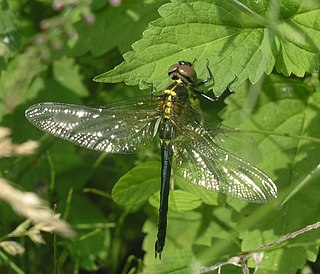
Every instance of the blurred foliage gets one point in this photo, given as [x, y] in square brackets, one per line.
[267, 50]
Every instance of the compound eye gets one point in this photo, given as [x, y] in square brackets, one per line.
[187, 71]
[173, 68]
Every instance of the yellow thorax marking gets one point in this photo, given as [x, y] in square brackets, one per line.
[167, 142]
[168, 103]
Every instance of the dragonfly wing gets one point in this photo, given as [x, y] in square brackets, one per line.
[201, 161]
[119, 128]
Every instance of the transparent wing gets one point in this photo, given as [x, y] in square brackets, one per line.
[202, 162]
[123, 127]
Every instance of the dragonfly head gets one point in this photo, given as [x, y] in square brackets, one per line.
[183, 71]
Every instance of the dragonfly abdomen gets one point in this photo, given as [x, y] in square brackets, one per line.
[167, 134]
[166, 158]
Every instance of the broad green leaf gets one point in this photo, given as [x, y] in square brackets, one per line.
[206, 196]
[179, 200]
[218, 236]
[238, 43]
[55, 91]
[34, 88]
[182, 231]
[66, 72]
[115, 27]
[191, 234]
[137, 185]
[15, 92]
[297, 39]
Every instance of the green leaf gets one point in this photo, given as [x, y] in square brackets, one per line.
[116, 27]
[137, 185]
[13, 92]
[179, 200]
[192, 239]
[297, 39]
[182, 230]
[242, 46]
[66, 72]
[206, 196]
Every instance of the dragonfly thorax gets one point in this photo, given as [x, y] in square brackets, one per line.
[174, 98]
[178, 91]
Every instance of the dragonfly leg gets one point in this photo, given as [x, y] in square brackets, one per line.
[214, 98]
[153, 89]
[209, 78]
[211, 99]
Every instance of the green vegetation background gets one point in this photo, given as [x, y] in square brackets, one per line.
[267, 50]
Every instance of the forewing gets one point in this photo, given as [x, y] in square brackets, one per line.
[123, 127]
[202, 162]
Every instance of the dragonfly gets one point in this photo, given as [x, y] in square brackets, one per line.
[187, 142]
